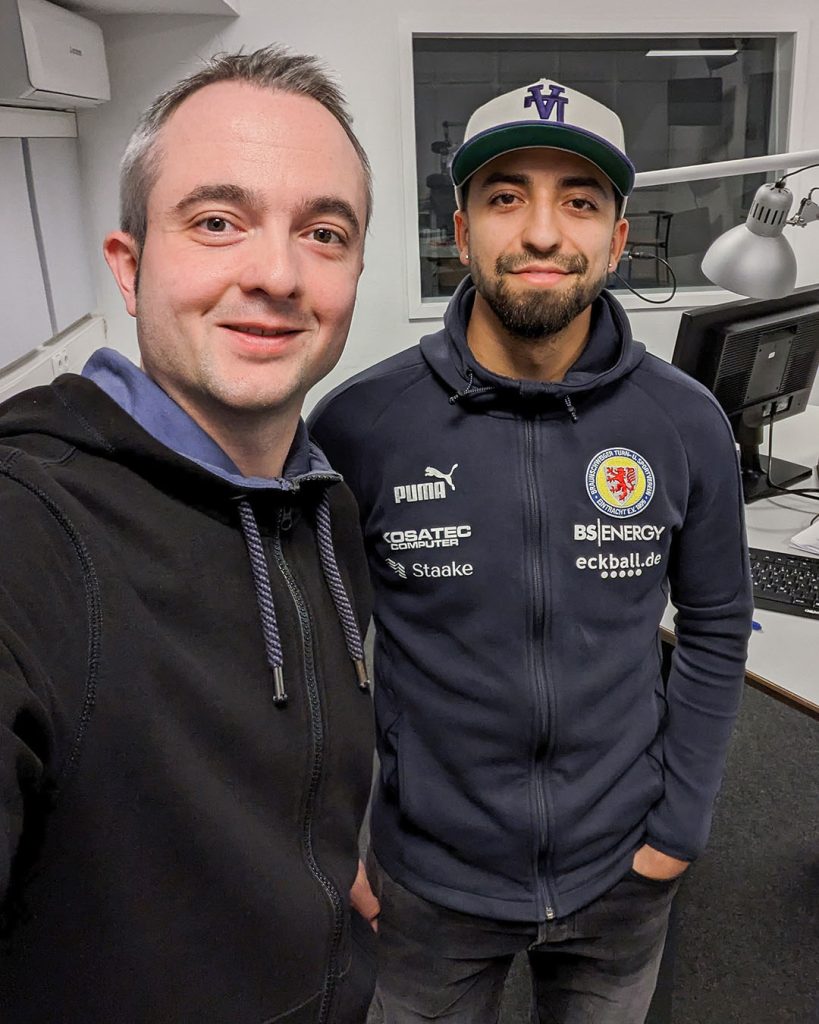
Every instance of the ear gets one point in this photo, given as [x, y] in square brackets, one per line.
[618, 241]
[462, 235]
[122, 256]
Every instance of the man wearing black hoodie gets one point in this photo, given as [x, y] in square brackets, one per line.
[185, 727]
[532, 486]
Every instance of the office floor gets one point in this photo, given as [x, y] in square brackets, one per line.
[748, 936]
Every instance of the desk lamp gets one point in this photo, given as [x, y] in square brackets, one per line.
[754, 258]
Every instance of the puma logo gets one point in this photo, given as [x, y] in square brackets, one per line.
[432, 491]
[432, 471]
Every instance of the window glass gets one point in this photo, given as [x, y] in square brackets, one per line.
[677, 110]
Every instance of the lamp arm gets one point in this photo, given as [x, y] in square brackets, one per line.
[725, 168]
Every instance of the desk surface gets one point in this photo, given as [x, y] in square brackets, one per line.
[783, 658]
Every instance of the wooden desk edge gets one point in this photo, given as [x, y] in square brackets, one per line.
[758, 682]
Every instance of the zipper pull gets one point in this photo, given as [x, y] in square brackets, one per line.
[285, 519]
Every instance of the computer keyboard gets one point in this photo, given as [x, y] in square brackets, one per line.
[785, 583]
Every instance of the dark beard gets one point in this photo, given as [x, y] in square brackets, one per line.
[537, 314]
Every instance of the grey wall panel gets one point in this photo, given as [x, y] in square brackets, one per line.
[24, 318]
[57, 203]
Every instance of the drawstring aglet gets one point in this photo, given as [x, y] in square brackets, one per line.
[571, 409]
[279, 694]
[363, 675]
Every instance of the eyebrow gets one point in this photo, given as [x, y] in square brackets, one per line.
[505, 178]
[576, 181]
[329, 206]
[238, 195]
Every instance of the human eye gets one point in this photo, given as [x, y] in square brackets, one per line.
[327, 236]
[216, 228]
[503, 199]
[215, 224]
[583, 204]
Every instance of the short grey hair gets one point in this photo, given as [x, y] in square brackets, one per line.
[272, 67]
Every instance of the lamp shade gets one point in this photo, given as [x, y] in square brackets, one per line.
[754, 259]
[748, 264]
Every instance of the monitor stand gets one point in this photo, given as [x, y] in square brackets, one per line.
[755, 474]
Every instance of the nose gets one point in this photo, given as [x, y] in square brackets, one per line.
[271, 264]
[541, 229]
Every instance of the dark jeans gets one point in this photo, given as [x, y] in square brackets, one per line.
[596, 966]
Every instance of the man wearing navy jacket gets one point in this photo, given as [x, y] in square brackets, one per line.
[533, 486]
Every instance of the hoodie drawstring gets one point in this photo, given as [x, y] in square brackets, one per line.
[571, 409]
[344, 609]
[470, 389]
[267, 611]
[264, 596]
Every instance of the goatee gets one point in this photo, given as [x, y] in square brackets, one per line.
[537, 314]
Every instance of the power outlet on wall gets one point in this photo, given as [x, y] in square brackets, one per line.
[67, 353]
[60, 361]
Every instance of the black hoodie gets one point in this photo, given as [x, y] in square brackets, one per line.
[176, 844]
[523, 538]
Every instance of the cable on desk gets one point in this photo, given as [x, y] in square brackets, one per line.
[807, 492]
[635, 254]
[776, 499]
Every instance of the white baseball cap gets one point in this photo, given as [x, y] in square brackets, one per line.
[544, 114]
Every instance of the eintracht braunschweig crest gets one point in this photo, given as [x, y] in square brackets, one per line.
[620, 482]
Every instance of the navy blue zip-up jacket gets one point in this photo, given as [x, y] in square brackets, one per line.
[523, 539]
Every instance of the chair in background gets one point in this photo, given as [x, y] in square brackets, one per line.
[670, 235]
[650, 230]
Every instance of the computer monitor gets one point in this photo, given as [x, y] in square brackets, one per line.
[759, 358]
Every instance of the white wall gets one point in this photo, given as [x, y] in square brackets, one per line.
[362, 41]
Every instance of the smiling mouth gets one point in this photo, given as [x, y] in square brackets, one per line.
[541, 270]
[262, 332]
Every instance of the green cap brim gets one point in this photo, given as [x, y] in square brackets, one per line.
[482, 148]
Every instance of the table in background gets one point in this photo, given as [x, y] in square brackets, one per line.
[783, 657]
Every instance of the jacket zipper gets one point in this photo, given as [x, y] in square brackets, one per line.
[330, 890]
[541, 682]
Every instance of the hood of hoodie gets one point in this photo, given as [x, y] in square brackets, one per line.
[115, 410]
[609, 354]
